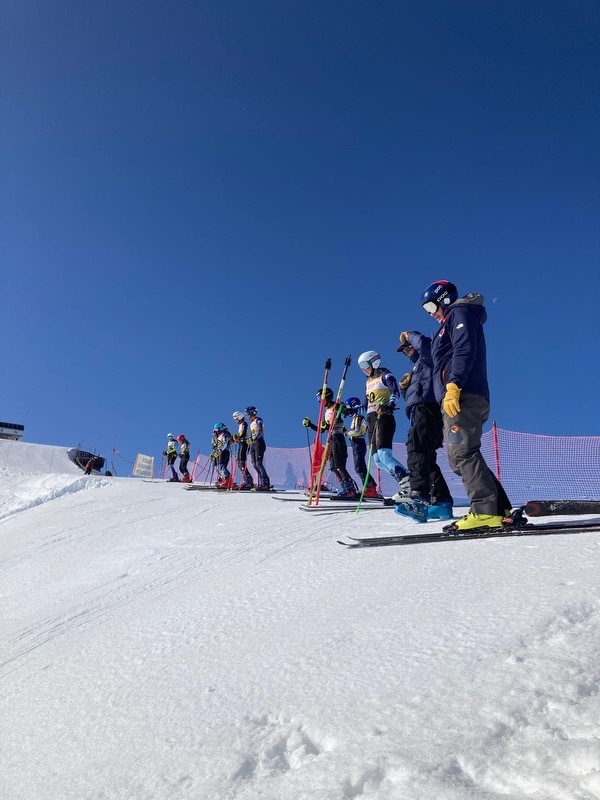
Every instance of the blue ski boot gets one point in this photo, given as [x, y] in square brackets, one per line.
[441, 510]
[414, 507]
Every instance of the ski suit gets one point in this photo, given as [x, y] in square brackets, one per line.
[356, 433]
[171, 454]
[184, 457]
[257, 448]
[338, 449]
[242, 454]
[382, 395]
[220, 453]
[425, 434]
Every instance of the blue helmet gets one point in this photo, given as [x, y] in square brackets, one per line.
[251, 411]
[353, 402]
[219, 426]
[439, 294]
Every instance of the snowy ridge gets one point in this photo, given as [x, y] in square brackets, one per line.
[34, 458]
[21, 491]
[159, 644]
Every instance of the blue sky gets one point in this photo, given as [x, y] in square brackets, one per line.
[201, 202]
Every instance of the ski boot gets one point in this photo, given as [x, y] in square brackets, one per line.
[414, 507]
[404, 492]
[349, 491]
[371, 493]
[226, 483]
[441, 511]
[471, 521]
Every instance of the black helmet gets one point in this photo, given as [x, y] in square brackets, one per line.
[251, 411]
[439, 294]
[326, 394]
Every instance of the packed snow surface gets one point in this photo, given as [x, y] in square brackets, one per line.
[159, 643]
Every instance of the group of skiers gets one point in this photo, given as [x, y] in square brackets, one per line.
[172, 454]
[446, 397]
[248, 440]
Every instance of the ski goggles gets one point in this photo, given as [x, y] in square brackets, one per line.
[430, 307]
[364, 364]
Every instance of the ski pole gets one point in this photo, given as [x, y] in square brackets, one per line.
[362, 494]
[317, 443]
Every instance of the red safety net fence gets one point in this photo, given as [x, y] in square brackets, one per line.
[530, 466]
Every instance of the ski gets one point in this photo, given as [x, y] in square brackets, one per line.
[192, 487]
[377, 500]
[548, 508]
[526, 529]
[337, 508]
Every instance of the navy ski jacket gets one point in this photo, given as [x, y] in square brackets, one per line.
[458, 350]
[420, 389]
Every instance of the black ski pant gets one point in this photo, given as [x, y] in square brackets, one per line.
[183, 462]
[338, 456]
[242, 457]
[381, 429]
[257, 453]
[425, 436]
[359, 451]
[462, 435]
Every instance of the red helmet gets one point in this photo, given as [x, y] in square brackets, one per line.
[181, 438]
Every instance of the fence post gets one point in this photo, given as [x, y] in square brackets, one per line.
[496, 449]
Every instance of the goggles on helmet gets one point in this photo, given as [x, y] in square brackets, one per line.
[430, 307]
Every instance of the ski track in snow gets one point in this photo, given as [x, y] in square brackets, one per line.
[163, 644]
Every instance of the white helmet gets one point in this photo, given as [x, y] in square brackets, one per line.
[238, 416]
[170, 436]
[369, 358]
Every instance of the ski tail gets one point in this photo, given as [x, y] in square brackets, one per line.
[548, 508]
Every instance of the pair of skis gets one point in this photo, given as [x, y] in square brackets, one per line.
[516, 525]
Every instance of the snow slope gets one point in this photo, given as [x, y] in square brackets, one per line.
[158, 643]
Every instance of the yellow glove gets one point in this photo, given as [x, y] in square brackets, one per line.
[405, 380]
[306, 422]
[451, 400]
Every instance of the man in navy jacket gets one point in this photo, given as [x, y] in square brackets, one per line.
[460, 384]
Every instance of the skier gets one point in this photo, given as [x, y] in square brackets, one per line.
[221, 440]
[461, 386]
[356, 434]
[242, 455]
[171, 454]
[429, 493]
[257, 448]
[184, 457]
[338, 449]
[382, 395]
